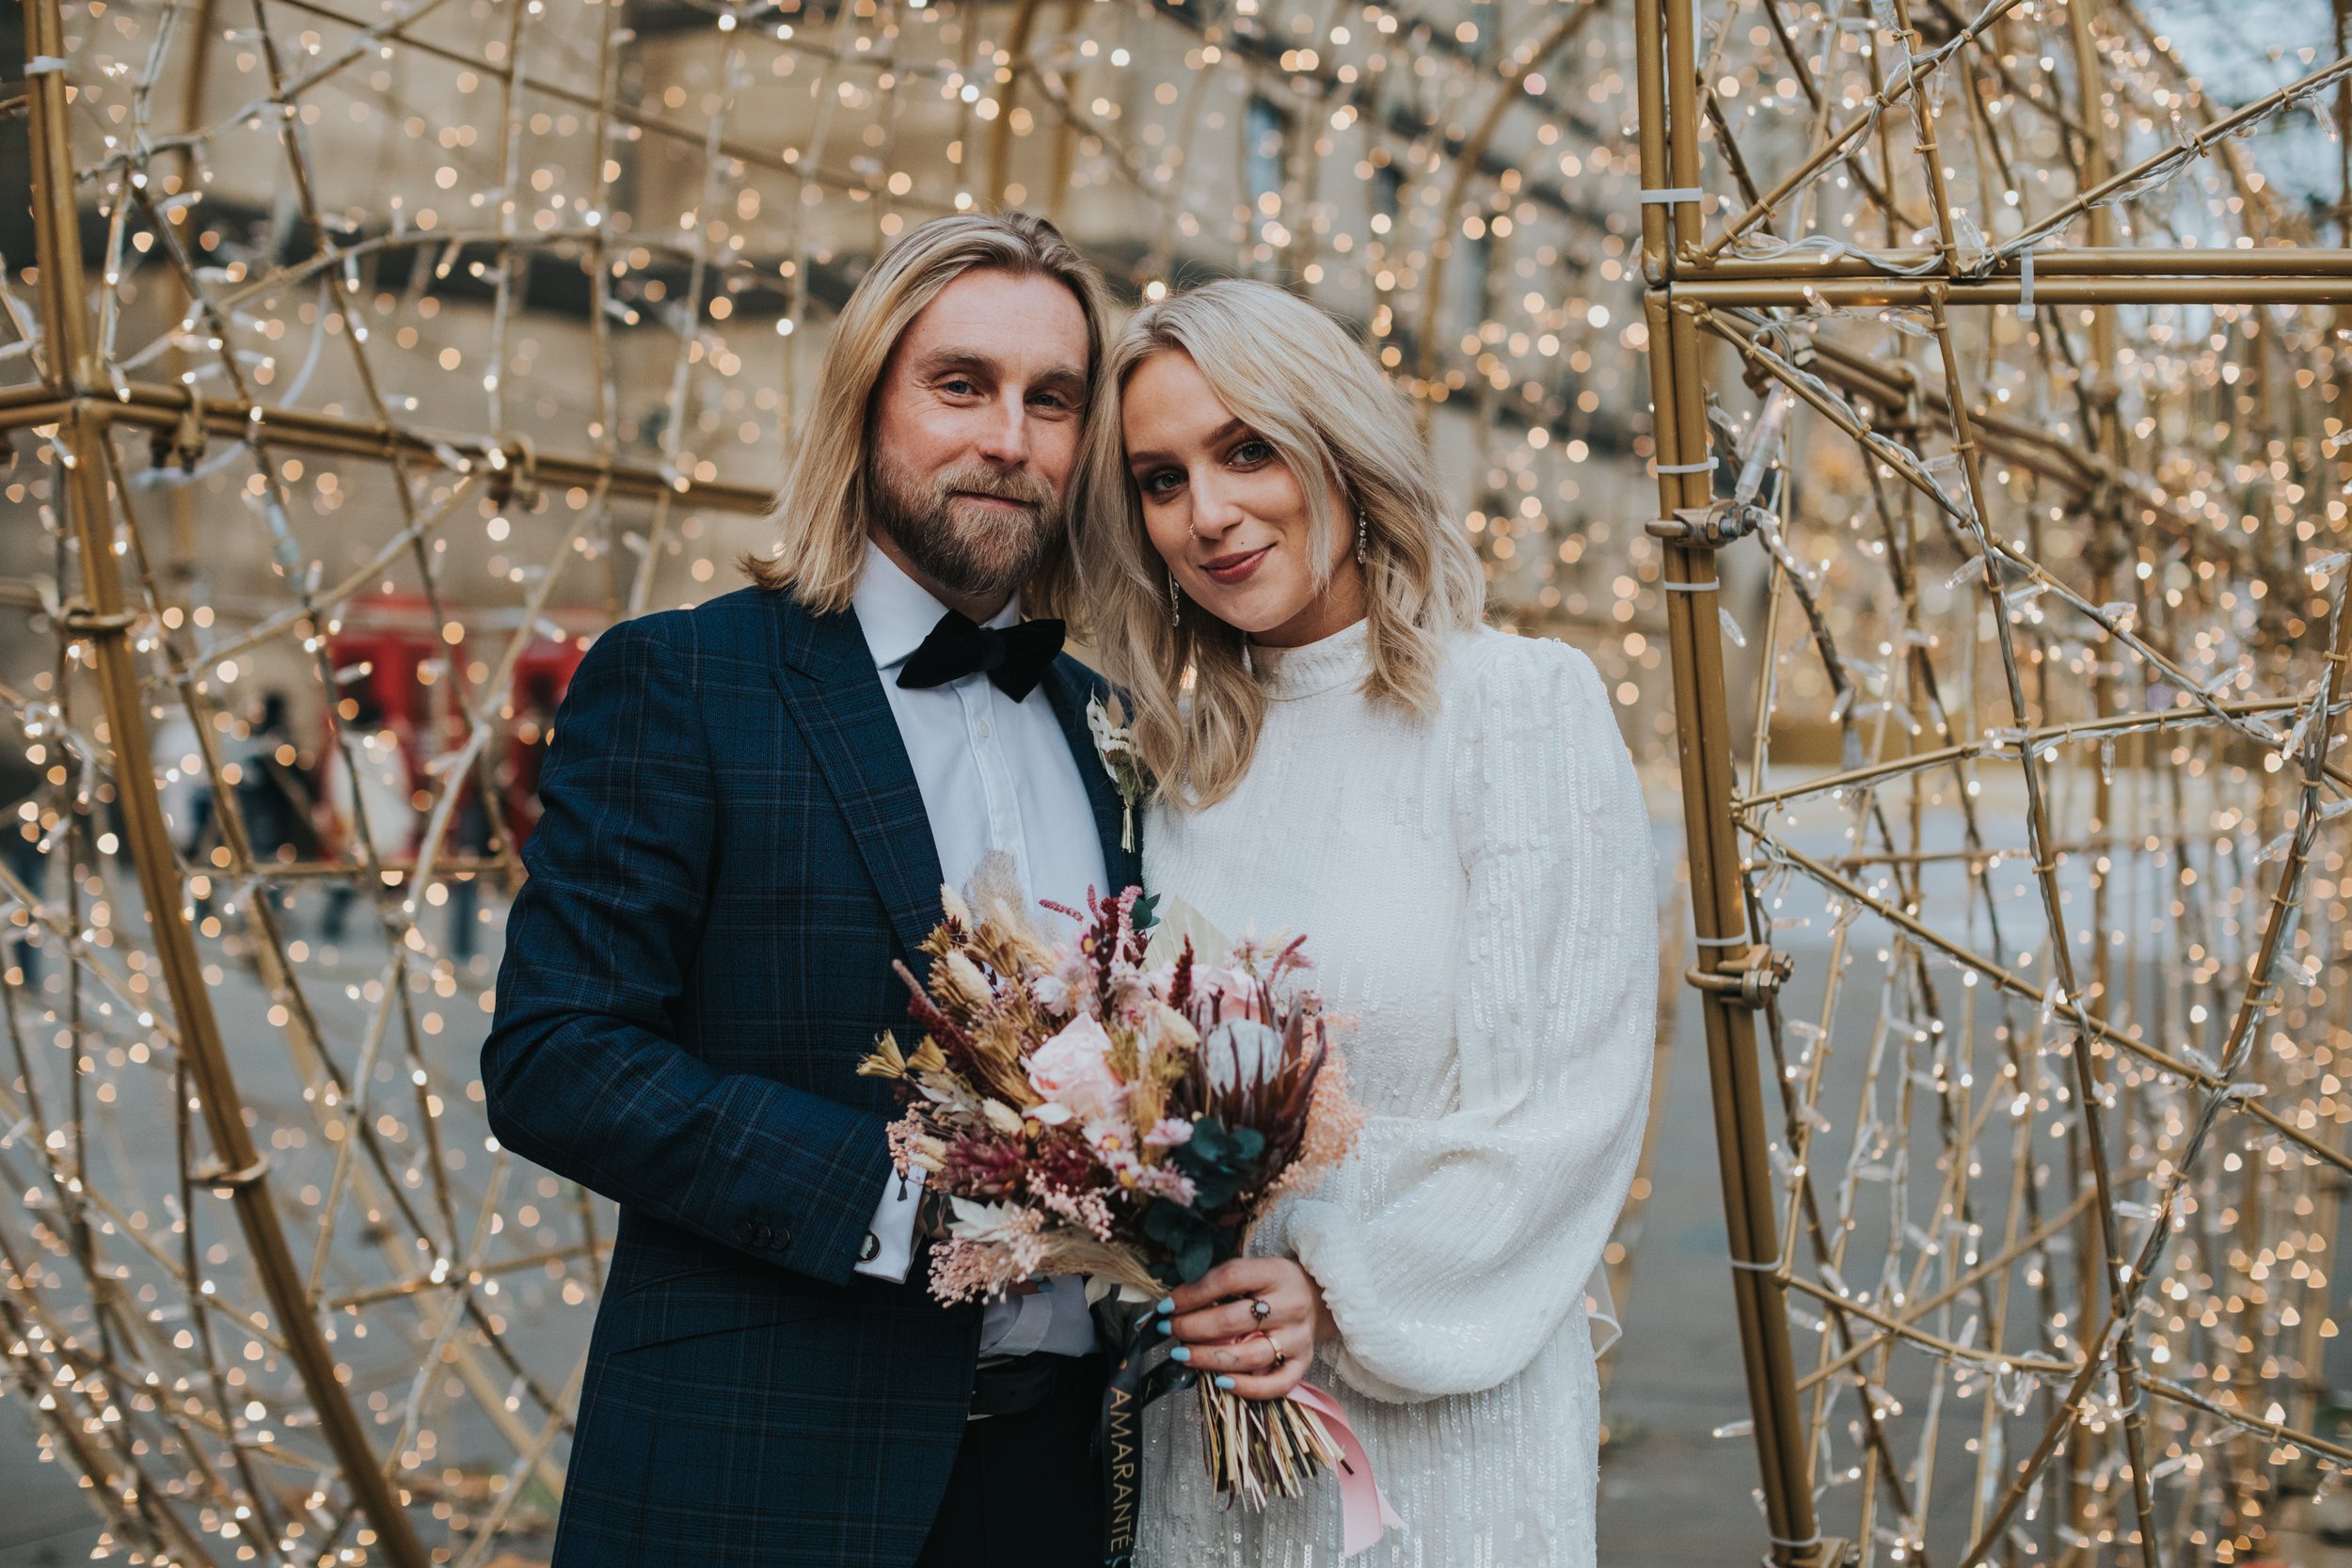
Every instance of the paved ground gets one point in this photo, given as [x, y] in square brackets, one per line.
[1673, 1493]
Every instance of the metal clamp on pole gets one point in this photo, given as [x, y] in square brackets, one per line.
[1711, 527]
[1751, 980]
[78, 616]
[221, 1177]
[513, 471]
[181, 444]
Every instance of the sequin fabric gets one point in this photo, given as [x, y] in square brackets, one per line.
[1477, 893]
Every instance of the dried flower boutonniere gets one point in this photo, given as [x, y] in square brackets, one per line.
[1115, 743]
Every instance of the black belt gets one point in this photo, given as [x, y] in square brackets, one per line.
[1013, 1383]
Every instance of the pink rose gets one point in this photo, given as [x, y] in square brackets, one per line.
[1073, 1072]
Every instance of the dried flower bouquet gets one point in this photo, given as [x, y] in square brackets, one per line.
[1106, 1107]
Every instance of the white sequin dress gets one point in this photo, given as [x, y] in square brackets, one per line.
[1477, 893]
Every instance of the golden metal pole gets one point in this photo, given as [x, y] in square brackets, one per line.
[69, 373]
[1797, 288]
[153, 405]
[2116, 261]
[2096, 393]
[1669, 129]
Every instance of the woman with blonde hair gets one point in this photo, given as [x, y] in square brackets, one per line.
[1448, 815]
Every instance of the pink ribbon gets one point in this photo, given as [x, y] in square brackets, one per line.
[1364, 1510]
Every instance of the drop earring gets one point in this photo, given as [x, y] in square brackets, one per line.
[1175, 605]
[1363, 531]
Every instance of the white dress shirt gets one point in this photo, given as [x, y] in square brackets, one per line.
[996, 775]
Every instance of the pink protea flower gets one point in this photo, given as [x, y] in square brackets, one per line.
[1227, 994]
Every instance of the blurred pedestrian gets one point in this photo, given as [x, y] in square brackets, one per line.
[376, 812]
[469, 837]
[273, 795]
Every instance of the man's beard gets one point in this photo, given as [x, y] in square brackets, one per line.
[980, 556]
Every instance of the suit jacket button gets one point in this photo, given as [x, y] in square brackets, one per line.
[869, 1249]
[746, 1232]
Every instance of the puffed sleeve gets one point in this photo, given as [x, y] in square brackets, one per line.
[1460, 1242]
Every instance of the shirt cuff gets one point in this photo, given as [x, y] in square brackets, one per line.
[888, 1251]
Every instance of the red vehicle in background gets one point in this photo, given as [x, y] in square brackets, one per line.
[395, 667]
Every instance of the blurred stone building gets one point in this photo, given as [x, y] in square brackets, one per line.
[621, 230]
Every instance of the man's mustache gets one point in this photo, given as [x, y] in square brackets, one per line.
[1026, 488]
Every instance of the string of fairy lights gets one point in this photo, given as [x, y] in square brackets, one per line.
[459, 329]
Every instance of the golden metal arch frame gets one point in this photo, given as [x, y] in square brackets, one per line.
[1686, 279]
[72, 373]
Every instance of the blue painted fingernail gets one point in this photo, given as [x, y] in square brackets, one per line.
[1160, 1326]
[1182, 1353]
[1224, 1381]
[1168, 1304]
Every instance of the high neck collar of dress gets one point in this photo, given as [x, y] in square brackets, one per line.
[1315, 668]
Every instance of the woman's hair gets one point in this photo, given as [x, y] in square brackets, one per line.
[822, 511]
[1295, 377]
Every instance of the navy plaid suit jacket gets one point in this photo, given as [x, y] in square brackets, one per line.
[733, 851]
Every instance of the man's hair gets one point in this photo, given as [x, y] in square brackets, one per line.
[825, 506]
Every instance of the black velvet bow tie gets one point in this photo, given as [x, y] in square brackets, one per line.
[1015, 658]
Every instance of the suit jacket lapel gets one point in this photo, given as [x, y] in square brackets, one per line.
[1068, 686]
[835, 695]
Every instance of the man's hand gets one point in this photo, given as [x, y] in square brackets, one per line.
[1251, 1324]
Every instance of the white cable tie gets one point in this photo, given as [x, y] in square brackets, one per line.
[42, 64]
[1706, 467]
[2025, 282]
[1672, 195]
[1708, 587]
[1742, 940]
[1769, 1266]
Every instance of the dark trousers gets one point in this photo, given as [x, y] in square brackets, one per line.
[1026, 1490]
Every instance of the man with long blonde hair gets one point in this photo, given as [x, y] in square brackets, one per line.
[750, 809]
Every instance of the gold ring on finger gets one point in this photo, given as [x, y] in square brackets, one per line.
[1274, 1345]
[1259, 1309]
